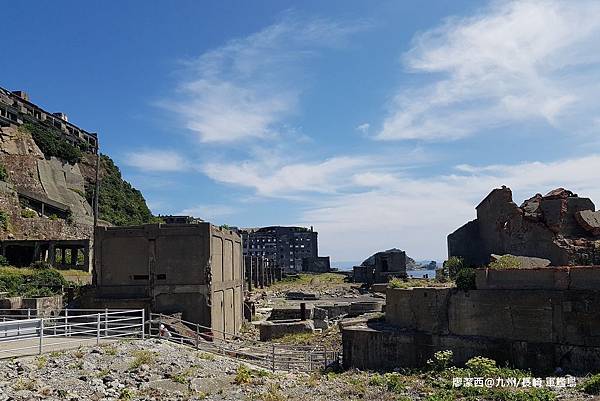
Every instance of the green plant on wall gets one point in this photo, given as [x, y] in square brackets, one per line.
[4, 223]
[52, 142]
[505, 262]
[3, 173]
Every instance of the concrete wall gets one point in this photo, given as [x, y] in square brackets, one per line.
[195, 269]
[529, 328]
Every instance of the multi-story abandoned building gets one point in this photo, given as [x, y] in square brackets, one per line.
[16, 109]
[286, 246]
[192, 269]
[43, 198]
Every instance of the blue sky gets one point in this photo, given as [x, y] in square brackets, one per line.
[382, 124]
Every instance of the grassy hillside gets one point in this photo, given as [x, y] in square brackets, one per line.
[120, 203]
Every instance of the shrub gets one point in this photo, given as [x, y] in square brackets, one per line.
[505, 262]
[28, 213]
[3, 220]
[481, 366]
[31, 283]
[243, 375]
[592, 385]
[3, 173]
[40, 265]
[465, 279]
[4, 261]
[142, 357]
[53, 143]
[453, 265]
[440, 361]
[53, 217]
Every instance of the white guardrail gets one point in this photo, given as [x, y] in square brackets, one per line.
[23, 333]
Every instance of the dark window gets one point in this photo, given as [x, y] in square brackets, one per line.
[140, 277]
[161, 276]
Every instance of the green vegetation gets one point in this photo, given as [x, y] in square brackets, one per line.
[592, 385]
[297, 338]
[452, 266]
[4, 221]
[31, 282]
[394, 382]
[441, 360]
[142, 357]
[505, 262]
[243, 375]
[465, 279]
[3, 261]
[321, 278]
[119, 202]
[413, 282]
[28, 213]
[3, 173]
[126, 394]
[52, 142]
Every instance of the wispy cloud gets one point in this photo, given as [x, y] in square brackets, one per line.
[153, 160]
[513, 62]
[245, 88]
[417, 214]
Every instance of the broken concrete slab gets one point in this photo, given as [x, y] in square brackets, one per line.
[589, 220]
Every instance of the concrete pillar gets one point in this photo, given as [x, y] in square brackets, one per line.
[63, 255]
[254, 267]
[248, 270]
[51, 254]
[261, 274]
[73, 261]
[86, 258]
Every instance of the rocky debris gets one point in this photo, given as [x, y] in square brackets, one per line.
[526, 262]
[300, 295]
[589, 220]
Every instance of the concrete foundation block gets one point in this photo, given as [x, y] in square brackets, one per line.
[275, 329]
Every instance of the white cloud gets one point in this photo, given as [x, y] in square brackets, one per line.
[156, 161]
[416, 214]
[245, 88]
[516, 61]
[274, 178]
[363, 128]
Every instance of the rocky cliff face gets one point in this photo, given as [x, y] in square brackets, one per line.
[46, 197]
[31, 180]
[560, 226]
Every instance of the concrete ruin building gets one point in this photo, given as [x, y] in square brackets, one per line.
[286, 246]
[381, 267]
[540, 319]
[560, 227]
[192, 269]
[320, 264]
[46, 214]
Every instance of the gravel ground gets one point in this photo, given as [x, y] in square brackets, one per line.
[157, 370]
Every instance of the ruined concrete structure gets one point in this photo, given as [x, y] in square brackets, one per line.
[193, 269]
[61, 254]
[559, 226]
[320, 264]
[16, 109]
[261, 272]
[381, 267]
[285, 246]
[538, 319]
[42, 198]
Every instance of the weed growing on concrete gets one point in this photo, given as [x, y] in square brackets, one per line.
[126, 394]
[24, 384]
[243, 375]
[41, 362]
[393, 382]
[206, 356]
[142, 357]
[273, 394]
[441, 360]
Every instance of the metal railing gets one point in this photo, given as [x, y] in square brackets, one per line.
[267, 355]
[74, 327]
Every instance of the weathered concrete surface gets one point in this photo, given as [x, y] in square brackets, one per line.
[276, 329]
[290, 313]
[530, 328]
[381, 267]
[555, 278]
[362, 307]
[195, 269]
[381, 346]
[543, 226]
[589, 220]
